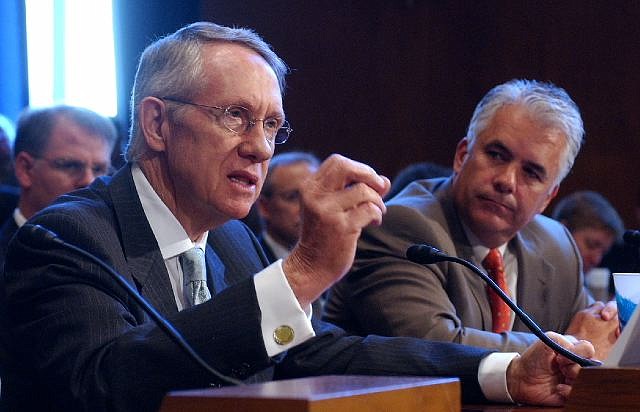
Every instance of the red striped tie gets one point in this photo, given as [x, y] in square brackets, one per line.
[500, 312]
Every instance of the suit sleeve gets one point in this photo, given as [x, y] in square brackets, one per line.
[388, 295]
[331, 352]
[86, 345]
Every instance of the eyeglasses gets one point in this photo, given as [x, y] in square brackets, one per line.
[75, 168]
[239, 120]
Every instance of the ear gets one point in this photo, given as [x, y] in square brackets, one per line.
[24, 163]
[549, 198]
[154, 123]
[462, 150]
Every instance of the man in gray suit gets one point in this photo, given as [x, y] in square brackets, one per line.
[522, 141]
[207, 114]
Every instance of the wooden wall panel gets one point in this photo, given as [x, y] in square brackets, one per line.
[394, 82]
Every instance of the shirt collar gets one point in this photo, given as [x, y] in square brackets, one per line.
[480, 251]
[19, 217]
[169, 233]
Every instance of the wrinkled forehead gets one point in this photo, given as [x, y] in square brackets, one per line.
[234, 69]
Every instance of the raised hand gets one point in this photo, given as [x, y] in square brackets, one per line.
[338, 201]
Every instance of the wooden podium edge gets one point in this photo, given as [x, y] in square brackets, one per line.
[603, 389]
[325, 394]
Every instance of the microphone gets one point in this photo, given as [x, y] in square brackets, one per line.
[46, 237]
[426, 254]
[632, 237]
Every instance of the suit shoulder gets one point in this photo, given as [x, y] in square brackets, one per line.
[547, 234]
[83, 214]
[544, 227]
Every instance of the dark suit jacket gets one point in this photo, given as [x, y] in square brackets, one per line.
[388, 295]
[9, 196]
[80, 343]
[7, 230]
[271, 257]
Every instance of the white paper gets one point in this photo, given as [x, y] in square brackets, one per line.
[626, 350]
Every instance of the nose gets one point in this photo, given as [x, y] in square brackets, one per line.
[255, 145]
[85, 178]
[505, 180]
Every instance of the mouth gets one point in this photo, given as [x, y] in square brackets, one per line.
[497, 203]
[243, 178]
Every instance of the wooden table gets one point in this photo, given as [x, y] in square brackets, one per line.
[325, 394]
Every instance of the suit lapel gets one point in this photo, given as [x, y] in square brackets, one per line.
[534, 274]
[234, 259]
[215, 272]
[477, 286]
[145, 264]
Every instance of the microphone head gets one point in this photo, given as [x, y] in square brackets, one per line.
[425, 254]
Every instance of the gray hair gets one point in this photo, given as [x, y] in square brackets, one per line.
[172, 66]
[546, 102]
[36, 125]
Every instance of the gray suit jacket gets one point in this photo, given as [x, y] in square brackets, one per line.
[79, 342]
[388, 295]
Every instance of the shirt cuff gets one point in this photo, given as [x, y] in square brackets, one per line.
[284, 323]
[492, 376]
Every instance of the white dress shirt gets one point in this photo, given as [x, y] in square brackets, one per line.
[276, 299]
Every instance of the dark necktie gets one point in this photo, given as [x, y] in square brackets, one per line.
[500, 312]
[194, 276]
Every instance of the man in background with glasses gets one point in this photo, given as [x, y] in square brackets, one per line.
[279, 206]
[206, 114]
[56, 150]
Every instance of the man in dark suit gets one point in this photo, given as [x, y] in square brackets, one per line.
[207, 112]
[279, 202]
[57, 149]
[522, 140]
[279, 206]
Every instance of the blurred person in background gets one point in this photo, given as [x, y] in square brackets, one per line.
[595, 226]
[57, 149]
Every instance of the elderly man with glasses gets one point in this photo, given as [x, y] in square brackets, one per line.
[56, 150]
[207, 113]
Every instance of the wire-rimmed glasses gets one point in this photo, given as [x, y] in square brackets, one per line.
[239, 120]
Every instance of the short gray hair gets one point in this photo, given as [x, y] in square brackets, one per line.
[36, 125]
[172, 66]
[546, 102]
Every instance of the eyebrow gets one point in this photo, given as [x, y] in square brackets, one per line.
[538, 168]
[246, 104]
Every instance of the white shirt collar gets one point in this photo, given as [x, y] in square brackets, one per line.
[169, 233]
[19, 217]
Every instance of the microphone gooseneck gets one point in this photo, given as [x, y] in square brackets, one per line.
[426, 255]
[45, 237]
